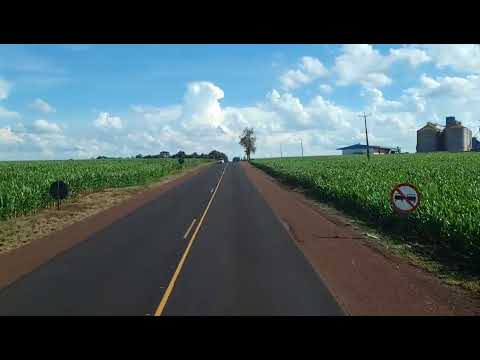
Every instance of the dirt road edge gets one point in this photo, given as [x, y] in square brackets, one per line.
[21, 261]
[363, 280]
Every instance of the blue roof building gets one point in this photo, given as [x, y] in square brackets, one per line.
[362, 149]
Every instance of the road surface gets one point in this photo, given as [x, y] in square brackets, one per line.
[209, 246]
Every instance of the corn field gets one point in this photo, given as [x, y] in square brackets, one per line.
[449, 184]
[24, 186]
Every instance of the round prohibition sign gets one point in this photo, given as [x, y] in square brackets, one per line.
[405, 198]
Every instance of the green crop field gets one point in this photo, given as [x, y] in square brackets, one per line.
[449, 183]
[24, 185]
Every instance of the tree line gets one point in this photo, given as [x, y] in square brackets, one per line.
[247, 140]
[214, 154]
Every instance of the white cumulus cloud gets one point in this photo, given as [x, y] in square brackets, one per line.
[289, 108]
[413, 55]
[313, 66]
[460, 57]
[8, 137]
[362, 63]
[379, 103]
[42, 106]
[201, 107]
[105, 121]
[199, 122]
[45, 127]
[357, 63]
[5, 113]
[5, 87]
[308, 70]
[434, 98]
[328, 115]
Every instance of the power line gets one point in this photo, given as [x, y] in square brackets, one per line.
[366, 132]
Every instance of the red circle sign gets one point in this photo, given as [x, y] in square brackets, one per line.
[405, 198]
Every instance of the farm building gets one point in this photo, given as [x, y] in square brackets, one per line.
[362, 149]
[454, 137]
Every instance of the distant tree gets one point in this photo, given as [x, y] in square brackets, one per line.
[139, 156]
[217, 155]
[213, 154]
[247, 141]
[180, 154]
[164, 154]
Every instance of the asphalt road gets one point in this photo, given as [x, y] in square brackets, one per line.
[236, 259]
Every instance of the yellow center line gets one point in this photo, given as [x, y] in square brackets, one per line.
[167, 293]
[189, 228]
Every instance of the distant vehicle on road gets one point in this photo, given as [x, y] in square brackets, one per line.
[235, 159]
[220, 161]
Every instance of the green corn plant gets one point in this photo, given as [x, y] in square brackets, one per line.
[24, 185]
[449, 184]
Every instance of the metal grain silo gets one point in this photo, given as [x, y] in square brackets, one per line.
[428, 138]
[475, 144]
[458, 138]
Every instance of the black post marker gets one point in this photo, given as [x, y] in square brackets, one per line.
[58, 191]
[58, 195]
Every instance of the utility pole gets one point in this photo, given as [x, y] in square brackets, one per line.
[301, 145]
[281, 154]
[366, 133]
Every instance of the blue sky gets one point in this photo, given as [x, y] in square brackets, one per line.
[81, 101]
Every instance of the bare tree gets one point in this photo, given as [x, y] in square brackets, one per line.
[247, 140]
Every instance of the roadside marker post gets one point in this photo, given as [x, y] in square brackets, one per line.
[58, 191]
[405, 198]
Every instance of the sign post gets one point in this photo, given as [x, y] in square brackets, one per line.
[405, 198]
[58, 191]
